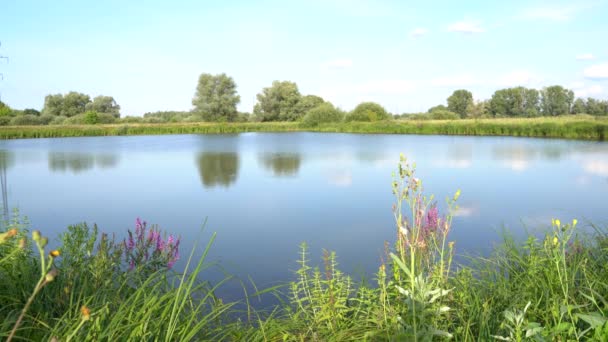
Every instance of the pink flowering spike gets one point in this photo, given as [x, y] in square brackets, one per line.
[131, 264]
[170, 263]
[170, 240]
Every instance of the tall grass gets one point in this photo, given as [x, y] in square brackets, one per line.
[94, 288]
[569, 127]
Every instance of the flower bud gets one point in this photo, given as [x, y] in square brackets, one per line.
[43, 241]
[54, 253]
[49, 277]
[36, 235]
[22, 243]
[86, 313]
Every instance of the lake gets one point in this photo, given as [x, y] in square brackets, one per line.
[264, 193]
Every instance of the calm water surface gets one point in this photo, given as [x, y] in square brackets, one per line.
[265, 193]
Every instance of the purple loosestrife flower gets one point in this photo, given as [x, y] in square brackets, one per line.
[131, 243]
[432, 218]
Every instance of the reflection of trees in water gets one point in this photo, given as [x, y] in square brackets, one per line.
[281, 164]
[217, 168]
[6, 161]
[79, 162]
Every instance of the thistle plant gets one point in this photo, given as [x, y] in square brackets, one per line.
[423, 256]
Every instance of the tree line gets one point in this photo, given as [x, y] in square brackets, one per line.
[516, 102]
[216, 100]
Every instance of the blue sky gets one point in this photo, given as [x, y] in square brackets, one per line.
[406, 55]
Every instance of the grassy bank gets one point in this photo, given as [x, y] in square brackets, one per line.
[95, 289]
[571, 127]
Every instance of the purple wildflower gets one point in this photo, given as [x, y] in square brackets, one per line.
[432, 218]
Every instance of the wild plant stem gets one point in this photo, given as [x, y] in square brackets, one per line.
[39, 286]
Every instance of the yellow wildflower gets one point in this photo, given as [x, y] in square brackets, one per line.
[86, 313]
[55, 253]
[555, 241]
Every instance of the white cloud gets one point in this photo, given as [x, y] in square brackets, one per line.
[549, 13]
[585, 57]
[576, 85]
[419, 32]
[589, 91]
[597, 167]
[466, 27]
[341, 63]
[461, 80]
[465, 211]
[518, 78]
[597, 71]
[517, 165]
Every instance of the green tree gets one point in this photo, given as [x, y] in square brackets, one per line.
[517, 101]
[307, 103]
[595, 107]
[74, 103]
[368, 111]
[438, 107]
[70, 104]
[53, 105]
[278, 102]
[5, 110]
[460, 101]
[104, 105]
[324, 113]
[579, 107]
[31, 111]
[556, 100]
[216, 98]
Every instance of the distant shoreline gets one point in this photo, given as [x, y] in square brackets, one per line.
[570, 127]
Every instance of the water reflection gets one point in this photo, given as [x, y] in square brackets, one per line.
[281, 164]
[217, 168]
[79, 162]
[6, 161]
[517, 158]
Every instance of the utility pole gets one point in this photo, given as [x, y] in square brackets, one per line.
[1, 74]
[4, 160]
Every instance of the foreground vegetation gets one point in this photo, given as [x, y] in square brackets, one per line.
[96, 288]
[567, 127]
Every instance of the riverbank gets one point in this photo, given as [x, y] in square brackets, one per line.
[570, 127]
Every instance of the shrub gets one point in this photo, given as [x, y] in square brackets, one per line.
[440, 114]
[91, 117]
[25, 120]
[105, 118]
[76, 120]
[4, 120]
[46, 119]
[132, 119]
[153, 120]
[323, 113]
[368, 111]
[58, 120]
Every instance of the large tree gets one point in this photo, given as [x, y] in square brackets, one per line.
[578, 107]
[105, 105]
[278, 102]
[460, 101]
[70, 104]
[216, 98]
[556, 100]
[517, 101]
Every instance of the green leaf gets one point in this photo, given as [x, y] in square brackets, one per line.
[594, 319]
